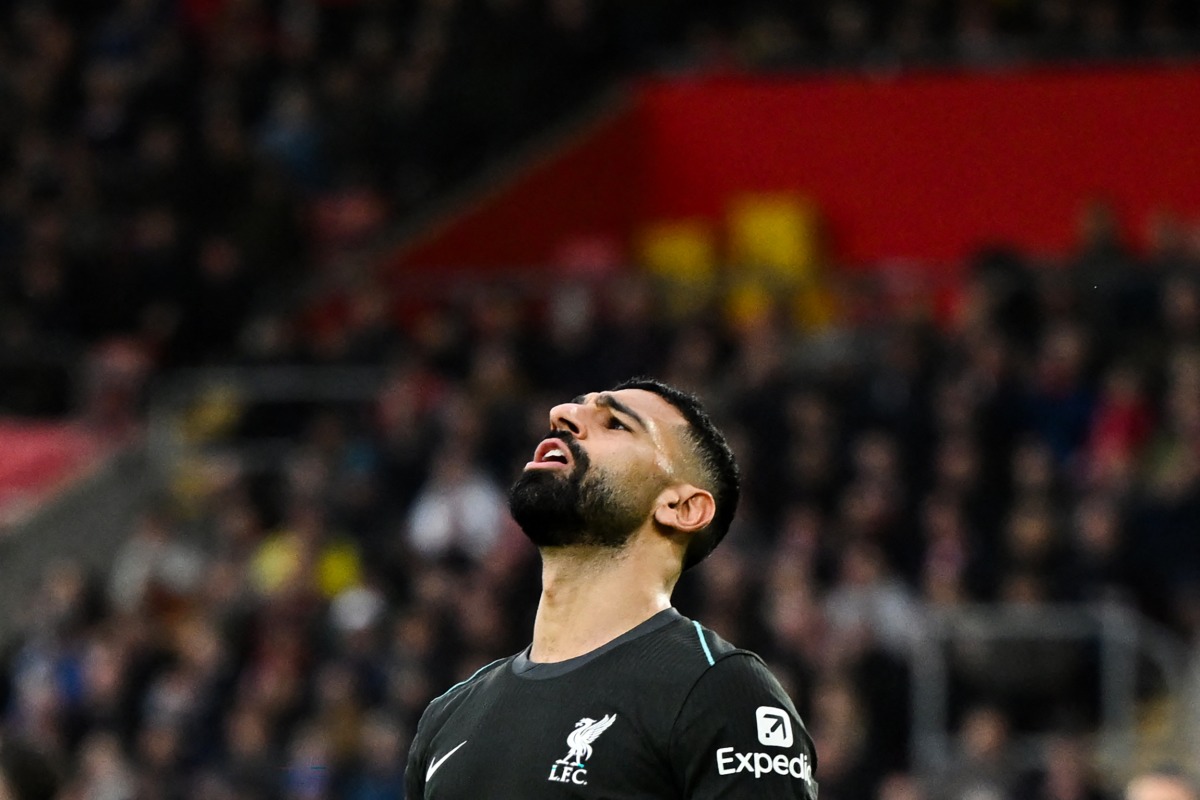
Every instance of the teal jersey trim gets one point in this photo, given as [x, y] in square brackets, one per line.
[704, 644]
[474, 676]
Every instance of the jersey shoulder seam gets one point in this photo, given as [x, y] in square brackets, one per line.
[464, 683]
[723, 649]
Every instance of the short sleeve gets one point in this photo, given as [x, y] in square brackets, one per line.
[738, 736]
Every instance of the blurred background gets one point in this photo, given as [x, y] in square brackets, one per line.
[287, 288]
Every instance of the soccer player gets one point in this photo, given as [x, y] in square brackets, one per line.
[619, 695]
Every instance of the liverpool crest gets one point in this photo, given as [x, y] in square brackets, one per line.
[571, 767]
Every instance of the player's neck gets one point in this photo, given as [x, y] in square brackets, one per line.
[590, 597]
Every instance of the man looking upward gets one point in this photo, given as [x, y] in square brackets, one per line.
[619, 695]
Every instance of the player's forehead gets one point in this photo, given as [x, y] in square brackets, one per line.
[647, 405]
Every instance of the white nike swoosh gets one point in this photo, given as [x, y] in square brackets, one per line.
[434, 766]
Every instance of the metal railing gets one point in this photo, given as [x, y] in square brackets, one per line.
[249, 386]
[1130, 653]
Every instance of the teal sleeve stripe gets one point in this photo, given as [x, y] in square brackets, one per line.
[704, 644]
[476, 674]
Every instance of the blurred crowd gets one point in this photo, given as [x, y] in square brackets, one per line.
[167, 165]
[273, 628]
[169, 172]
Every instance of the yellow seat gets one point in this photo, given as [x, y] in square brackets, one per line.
[775, 235]
[775, 252]
[683, 255]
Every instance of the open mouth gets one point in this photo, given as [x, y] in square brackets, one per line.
[551, 454]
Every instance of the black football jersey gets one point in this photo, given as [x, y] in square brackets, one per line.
[668, 710]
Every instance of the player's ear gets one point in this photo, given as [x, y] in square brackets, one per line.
[685, 508]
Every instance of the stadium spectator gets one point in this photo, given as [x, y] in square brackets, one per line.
[1065, 773]
[1161, 784]
[459, 511]
[154, 565]
[25, 773]
[983, 767]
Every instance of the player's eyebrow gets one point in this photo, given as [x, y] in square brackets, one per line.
[606, 400]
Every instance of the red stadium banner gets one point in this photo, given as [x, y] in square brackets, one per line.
[41, 458]
[927, 166]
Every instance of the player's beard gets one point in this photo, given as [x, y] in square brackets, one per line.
[584, 507]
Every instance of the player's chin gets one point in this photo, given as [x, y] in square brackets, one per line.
[535, 484]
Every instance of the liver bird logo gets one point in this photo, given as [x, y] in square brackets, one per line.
[587, 730]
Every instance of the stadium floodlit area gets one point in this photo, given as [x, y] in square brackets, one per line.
[287, 288]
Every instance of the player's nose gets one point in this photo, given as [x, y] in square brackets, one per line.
[569, 417]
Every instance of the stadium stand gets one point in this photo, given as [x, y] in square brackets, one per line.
[324, 560]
